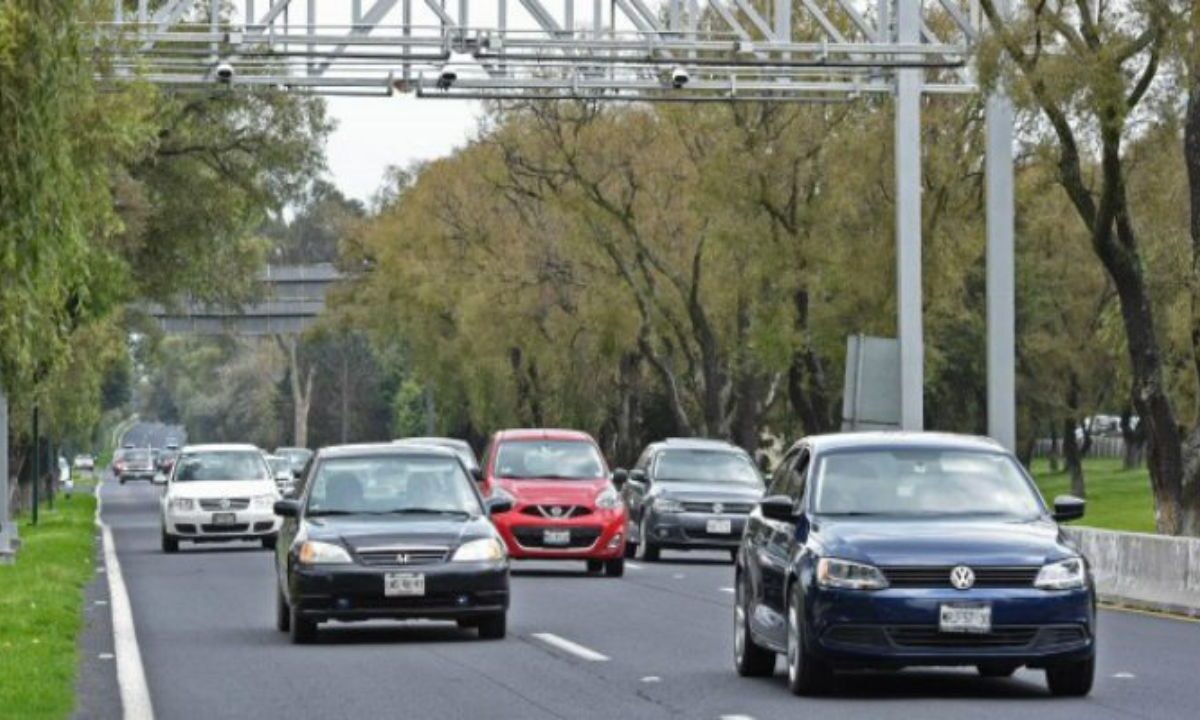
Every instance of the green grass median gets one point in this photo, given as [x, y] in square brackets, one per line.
[41, 610]
[1117, 499]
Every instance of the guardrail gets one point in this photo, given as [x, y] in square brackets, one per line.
[1155, 572]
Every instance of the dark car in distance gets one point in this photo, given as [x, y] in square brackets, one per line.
[461, 448]
[134, 464]
[688, 494]
[389, 532]
[887, 550]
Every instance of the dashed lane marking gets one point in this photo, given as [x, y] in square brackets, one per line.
[727, 590]
[572, 648]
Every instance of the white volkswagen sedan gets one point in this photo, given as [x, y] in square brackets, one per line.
[217, 493]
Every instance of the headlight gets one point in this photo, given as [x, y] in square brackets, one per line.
[847, 575]
[264, 501]
[608, 499]
[319, 553]
[181, 504]
[1064, 575]
[483, 550]
[667, 505]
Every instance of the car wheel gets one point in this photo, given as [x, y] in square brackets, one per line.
[493, 627]
[304, 631]
[614, 567]
[631, 550]
[992, 670]
[170, 543]
[647, 549]
[595, 566]
[1071, 679]
[749, 658]
[283, 613]
[122, 481]
[269, 542]
[806, 674]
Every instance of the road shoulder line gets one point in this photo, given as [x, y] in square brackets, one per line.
[569, 647]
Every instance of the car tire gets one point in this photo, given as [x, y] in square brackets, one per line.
[614, 567]
[122, 481]
[806, 674]
[996, 670]
[283, 613]
[269, 542]
[749, 658]
[595, 566]
[1071, 679]
[646, 547]
[493, 627]
[170, 543]
[304, 631]
[630, 550]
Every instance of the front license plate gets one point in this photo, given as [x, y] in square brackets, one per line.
[556, 537]
[403, 585]
[965, 619]
[719, 527]
[224, 518]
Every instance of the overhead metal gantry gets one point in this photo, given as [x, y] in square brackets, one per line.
[623, 50]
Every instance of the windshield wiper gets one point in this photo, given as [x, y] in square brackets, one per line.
[319, 513]
[422, 511]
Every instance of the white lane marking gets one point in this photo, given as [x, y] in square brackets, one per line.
[131, 675]
[652, 679]
[727, 590]
[105, 656]
[678, 576]
[573, 648]
[101, 602]
[1124, 676]
[633, 566]
[737, 717]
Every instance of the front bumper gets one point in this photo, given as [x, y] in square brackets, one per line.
[599, 535]
[128, 475]
[355, 592]
[687, 530]
[899, 627]
[199, 525]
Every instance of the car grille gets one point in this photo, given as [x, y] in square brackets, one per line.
[555, 512]
[225, 529]
[733, 508]
[581, 537]
[939, 576]
[922, 636]
[866, 635]
[234, 504]
[1056, 637]
[402, 556]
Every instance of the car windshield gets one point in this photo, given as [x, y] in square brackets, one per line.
[924, 482]
[221, 465]
[555, 459]
[717, 466]
[296, 456]
[458, 447]
[400, 485]
[280, 464]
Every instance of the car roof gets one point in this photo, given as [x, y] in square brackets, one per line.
[221, 447]
[897, 439]
[292, 449]
[383, 450]
[697, 444]
[431, 440]
[543, 434]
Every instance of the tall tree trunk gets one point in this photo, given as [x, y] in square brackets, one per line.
[807, 382]
[1133, 440]
[1072, 457]
[345, 418]
[1190, 491]
[301, 389]
[1055, 455]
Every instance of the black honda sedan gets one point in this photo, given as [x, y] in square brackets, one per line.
[392, 532]
[885, 550]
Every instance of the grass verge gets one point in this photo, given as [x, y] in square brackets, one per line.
[1117, 499]
[41, 610]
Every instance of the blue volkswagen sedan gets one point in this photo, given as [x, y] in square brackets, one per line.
[888, 550]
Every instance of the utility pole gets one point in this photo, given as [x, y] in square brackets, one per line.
[7, 528]
[908, 224]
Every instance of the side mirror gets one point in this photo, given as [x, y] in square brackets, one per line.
[639, 476]
[497, 505]
[1068, 507]
[778, 507]
[619, 477]
[287, 508]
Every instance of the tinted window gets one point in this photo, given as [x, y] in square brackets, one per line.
[558, 459]
[385, 485]
[705, 466]
[924, 482]
[221, 465]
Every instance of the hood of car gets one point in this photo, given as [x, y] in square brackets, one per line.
[202, 489]
[554, 492]
[364, 531]
[707, 491]
[890, 542]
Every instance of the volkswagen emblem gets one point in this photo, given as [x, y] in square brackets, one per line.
[402, 559]
[556, 511]
[962, 577]
[224, 503]
[718, 508]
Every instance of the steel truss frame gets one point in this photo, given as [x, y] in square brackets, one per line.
[633, 50]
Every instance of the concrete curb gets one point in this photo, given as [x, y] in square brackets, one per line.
[1139, 570]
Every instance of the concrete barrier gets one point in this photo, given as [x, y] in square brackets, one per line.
[1155, 572]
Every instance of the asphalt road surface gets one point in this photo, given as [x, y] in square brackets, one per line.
[660, 642]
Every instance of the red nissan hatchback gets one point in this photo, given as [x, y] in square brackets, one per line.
[564, 505]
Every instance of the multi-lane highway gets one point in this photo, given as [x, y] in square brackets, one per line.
[654, 644]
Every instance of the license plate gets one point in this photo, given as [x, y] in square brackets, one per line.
[965, 619]
[403, 585]
[224, 518]
[719, 527]
[556, 537]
